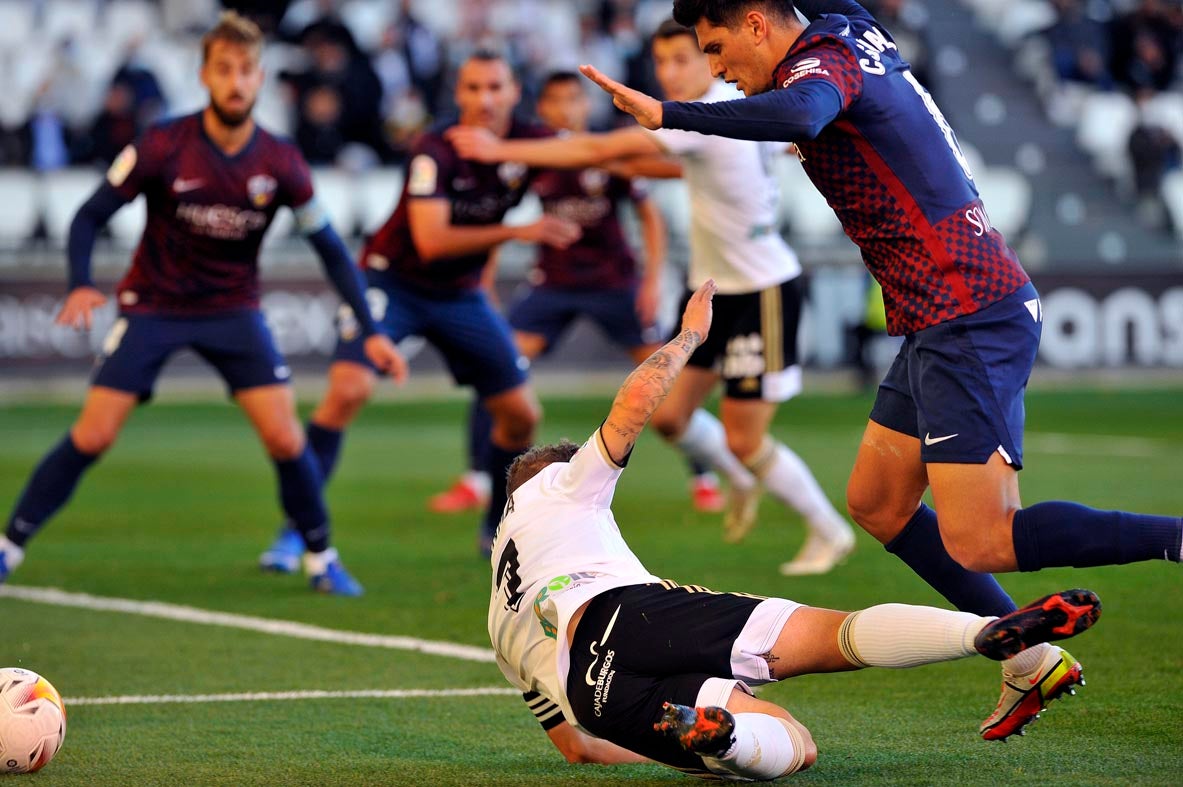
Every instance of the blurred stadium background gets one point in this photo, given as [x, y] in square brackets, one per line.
[1070, 112]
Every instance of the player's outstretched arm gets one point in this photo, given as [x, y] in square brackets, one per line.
[84, 297]
[579, 747]
[646, 109]
[646, 388]
[571, 151]
[437, 238]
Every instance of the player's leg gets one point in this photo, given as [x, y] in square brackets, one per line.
[789, 480]
[243, 351]
[469, 492]
[57, 474]
[515, 414]
[132, 355]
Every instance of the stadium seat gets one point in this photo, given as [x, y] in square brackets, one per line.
[1007, 197]
[973, 157]
[69, 18]
[379, 191]
[16, 23]
[128, 20]
[1165, 110]
[336, 192]
[20, 194]
[1106, 121]
[127, 225]
[368, 21]
[64, 192]
[1172, 194]
[1017, 20]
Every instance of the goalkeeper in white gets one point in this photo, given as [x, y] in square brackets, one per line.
[621, 666]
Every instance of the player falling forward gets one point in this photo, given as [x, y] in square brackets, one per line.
[596, 277]
[424, 272]
[620, 666]
[213, 182]
[753, 351]
[950, 412]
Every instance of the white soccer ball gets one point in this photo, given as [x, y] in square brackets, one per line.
[32, 721]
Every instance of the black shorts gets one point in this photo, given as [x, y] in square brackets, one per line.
[639, 646]
[753, 342]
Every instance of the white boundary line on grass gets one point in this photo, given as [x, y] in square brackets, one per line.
[282, 628]
[268, 696]
[1097, 445]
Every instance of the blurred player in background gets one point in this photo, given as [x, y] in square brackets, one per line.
[950, 412]
[620, 666]
[596, 278]
[424, 272]
[213, 181]
[753, 349]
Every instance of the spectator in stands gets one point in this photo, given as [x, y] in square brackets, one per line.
[114, 128]
[1154, 151]
[426, 57]
[1080, 45]
[1147, 44]
[318, 127]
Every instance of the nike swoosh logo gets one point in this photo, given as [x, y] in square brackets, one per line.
[180, 186]
[588, 679]
[930, 440]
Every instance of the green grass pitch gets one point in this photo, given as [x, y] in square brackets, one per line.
[181, 507]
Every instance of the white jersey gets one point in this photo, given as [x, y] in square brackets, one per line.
[557, 547]
[734, 234]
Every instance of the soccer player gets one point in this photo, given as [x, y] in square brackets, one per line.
[950, 413]
[424, 271]
[753, 351]
[596, 278]
[213, 181]
[619, 665]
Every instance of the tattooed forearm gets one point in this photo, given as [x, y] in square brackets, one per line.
[646, 388]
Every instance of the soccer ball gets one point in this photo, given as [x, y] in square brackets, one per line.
[32, 721]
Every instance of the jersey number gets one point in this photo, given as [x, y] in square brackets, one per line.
[507, 576]
[939, 117]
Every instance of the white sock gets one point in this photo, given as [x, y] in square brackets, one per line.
[705, 441]
[1026, 662]
[765, 747]
[901, 635]
[478, 480]
[315, 563]
[13, 555]
[789, 480]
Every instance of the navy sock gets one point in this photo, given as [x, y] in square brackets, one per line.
[302, 500]
[697, 468]
[326, 447]
[919, 545]
[497, 464]
[47, 490]
[480, 426]
[1069, 534]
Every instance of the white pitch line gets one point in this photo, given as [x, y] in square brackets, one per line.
[269, 696]
[282, 628]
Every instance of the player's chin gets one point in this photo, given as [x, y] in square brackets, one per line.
[235, 114]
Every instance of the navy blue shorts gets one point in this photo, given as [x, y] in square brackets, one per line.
[549, 311]
[958, 386]
[473, 338]
[238, 345]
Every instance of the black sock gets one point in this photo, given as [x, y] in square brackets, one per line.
[48, 489]
[302, 500]
[1069, 534]
[326, 447]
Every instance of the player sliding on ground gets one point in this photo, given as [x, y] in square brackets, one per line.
[213, 182]
[950, 412]
[621, 666]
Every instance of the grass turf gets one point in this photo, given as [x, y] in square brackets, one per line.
[181, 507]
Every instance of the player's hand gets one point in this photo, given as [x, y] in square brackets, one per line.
[77, 311]
[648, 301]
[475, 143]
[698, 314]
[383, 354]
[551, 231]
[646, 109]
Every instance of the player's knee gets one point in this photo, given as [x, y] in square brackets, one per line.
[519, 423]
[93, 439]
[347, 394]
[283, 442]
[744, 446]
[977, 555]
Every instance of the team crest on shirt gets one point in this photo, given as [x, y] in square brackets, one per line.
[594, 182]
[261, 189]
[512, 173]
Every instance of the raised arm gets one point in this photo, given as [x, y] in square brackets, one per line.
[646, 388]
[572, 151]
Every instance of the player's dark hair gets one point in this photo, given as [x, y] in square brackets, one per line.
[560, 78]
[726, 13]
[531, 463]
[671, 28]
[232, 28]
[487, 53]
